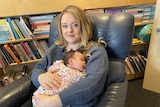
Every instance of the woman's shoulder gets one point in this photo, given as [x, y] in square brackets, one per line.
[54, 48]
[96, 46]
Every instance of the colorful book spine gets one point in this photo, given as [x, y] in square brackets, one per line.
[26, 50]
[5, 34]
[11, 53]
[13, 29]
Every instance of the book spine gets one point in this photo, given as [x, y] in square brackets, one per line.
[26, 50]
[26, 27]
[21, 28]
[11, 53]
[34, 50]
[128, 63]
[30, 51]
[17, 30]
[7, 57]
[5, 34]
[14, 51]
[41, 17]
[24, 54]
[11, 32]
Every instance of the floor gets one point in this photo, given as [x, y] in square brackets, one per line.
[139, 97]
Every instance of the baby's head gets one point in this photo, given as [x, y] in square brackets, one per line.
[75, 60]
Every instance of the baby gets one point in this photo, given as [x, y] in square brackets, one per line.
[70, 70]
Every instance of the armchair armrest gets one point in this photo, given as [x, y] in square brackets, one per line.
[115, 95]
[116, 86]
[16, 93]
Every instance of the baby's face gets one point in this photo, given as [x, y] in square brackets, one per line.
[79, 61]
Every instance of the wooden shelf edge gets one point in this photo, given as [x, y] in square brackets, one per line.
[27, 62]
[141, 24]
[24, 40]
[135, 76]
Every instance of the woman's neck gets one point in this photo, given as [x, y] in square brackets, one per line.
[72, 46]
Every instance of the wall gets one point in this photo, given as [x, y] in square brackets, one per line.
[152, 72]
[22, 7]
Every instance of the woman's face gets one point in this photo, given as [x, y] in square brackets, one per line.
[70, 29]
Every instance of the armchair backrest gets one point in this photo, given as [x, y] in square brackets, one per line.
[115, 29]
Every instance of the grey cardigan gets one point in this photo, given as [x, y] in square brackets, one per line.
[85, 92]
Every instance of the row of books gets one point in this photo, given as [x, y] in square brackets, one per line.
[40, 24]
[12, 75]
[24, 27]
[135, 62]
[142, 13]
[22, 52]
[13, 29]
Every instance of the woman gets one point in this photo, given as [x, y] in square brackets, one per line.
[75, 33]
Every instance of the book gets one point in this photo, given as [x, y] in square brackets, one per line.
[3, 58]
[35, 25]
[23, 21]
[27, 51]
[142, 68]
[7, 57]
[5, 34]
[15, 51]
[12, 27]
[41, 17]
[6, 46]
[43, 46]
[30, 51]
[128, 63]
[45, 43]
[38, 46]
[10, 30]
[22, 51]
[22, 28]
[127, 70]
[2, 64]
[113, 11]
[135, 63]
[17, 30]
[140, 57]
[25, 71]
[136, 41]
[34, 50]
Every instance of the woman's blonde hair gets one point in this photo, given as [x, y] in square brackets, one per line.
[83, 22]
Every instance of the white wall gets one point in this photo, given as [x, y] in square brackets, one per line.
[152, 72]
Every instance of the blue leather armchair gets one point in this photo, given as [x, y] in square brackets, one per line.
[116, 30]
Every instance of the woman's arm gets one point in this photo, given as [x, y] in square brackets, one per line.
[42, 66]
[48, 101]
[85, 91]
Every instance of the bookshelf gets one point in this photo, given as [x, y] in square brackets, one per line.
[19, 8]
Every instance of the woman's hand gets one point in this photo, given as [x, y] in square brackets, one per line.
[50, 80]
[48, 101]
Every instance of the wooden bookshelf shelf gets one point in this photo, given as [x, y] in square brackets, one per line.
[135, 76]
[27, 62]
[141, 24]
[23, 40]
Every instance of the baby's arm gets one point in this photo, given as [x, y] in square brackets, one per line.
[56, 65]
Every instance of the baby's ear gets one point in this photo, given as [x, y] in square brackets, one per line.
[70, 61]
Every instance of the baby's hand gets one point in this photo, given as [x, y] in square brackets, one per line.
[60, 61]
